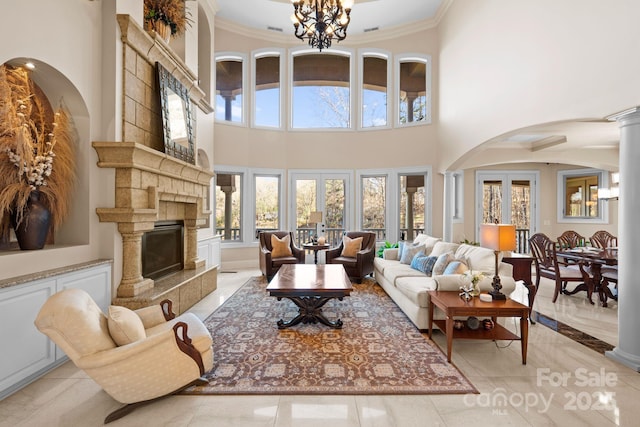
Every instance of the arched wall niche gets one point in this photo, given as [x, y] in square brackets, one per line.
[60, 90]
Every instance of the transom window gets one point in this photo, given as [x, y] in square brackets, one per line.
[229, 88]
[413, 89]
[267, 78]
[375, 84]
[321, 92]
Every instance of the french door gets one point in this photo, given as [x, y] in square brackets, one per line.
[509, 198]
[326, 193]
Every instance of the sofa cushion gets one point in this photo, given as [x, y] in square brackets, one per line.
[409, 252]
[351, 247]
[456, 267]
[423, 263]
[478, 258]
[125, 326]
[280, 247]
[426, 240]
[381, 264]
[416, 288]
[443, 247]
[391, 273]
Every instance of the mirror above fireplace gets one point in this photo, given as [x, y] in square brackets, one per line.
[177, 116]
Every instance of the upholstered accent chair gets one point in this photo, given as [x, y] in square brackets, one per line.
[356, 253]
[548, 265]
[278, 248]
[135, 356]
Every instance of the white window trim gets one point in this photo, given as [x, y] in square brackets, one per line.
[390, 234]
[413, 57]
[603, 182]
[262, 53]
[457, 196]
[345, 174]
[382, 54]
[293, 52]
[428, 196]
[244, 212]
[234, 56]
[282, 207]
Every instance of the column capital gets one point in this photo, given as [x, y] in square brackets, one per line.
[628, 117]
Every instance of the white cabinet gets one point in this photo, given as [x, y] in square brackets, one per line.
[26, 353]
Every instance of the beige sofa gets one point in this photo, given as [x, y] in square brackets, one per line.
[408, 287]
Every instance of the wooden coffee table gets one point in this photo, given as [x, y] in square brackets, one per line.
[310, 286]
[452, 305]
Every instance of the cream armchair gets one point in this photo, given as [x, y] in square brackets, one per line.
[135, 356]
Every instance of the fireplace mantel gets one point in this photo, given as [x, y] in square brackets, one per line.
[151, 186]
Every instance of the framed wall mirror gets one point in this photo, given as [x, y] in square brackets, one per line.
[177, 116]
[578, 195]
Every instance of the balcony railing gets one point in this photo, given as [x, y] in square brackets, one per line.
[334, 236]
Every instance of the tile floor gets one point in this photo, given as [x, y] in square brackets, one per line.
[564, 383]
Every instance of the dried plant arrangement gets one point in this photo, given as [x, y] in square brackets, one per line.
[37, 149]
[170, 12]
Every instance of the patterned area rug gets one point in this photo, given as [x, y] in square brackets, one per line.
[378, 351]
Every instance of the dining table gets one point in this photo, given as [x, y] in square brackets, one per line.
[595, 259]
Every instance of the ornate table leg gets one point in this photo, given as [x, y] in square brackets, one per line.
[309, 311]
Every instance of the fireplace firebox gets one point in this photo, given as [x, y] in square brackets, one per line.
[163, 249]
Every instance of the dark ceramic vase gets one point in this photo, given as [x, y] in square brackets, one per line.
[33, 229]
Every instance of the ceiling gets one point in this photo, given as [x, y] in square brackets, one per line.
[365, 14]
[543, 141]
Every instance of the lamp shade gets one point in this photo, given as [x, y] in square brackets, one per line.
[315, 217]
[499, 237]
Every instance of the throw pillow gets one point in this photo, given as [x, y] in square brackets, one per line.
[456, 267]
[423, 263]
[441, 263]
[409, 252]
[401, 246]
[351, 247]
[280, 247]
[125, 326]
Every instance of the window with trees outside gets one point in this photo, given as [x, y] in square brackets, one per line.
[229, 206]
[267, 202]
[413, 83]
[229, 88]
[321, 91]
[374, 205]
[374, 80]
[267, 84]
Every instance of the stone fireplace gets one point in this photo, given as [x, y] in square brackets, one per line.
[152, 187]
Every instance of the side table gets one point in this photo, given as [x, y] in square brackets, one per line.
[452, 305]
[315, 248]
[522, 264]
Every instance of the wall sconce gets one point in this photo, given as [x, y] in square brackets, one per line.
[613, 192]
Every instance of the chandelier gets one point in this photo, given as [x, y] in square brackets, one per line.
[321, 21]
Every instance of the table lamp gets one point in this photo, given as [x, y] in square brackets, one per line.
[315, 218]
[499, 237]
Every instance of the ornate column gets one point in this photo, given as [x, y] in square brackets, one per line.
[132, 282]
[628, 350]
[191, 261]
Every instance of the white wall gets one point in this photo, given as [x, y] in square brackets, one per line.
[509, 64]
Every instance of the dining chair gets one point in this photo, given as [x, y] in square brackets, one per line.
[570, 239]
[549, 266]
[603, 239]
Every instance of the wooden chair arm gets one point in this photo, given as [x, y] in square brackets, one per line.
[167, 309]
[180, 330]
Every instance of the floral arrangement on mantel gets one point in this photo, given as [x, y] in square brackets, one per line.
[36, 149]
[160, 14]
